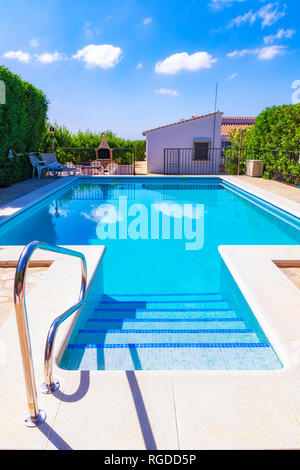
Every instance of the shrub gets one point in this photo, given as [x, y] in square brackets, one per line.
[237, 151]
[22, 126]
[276, 140]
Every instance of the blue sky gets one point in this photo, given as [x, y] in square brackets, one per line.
[130, 65]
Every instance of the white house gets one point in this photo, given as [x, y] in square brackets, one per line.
[187, 146]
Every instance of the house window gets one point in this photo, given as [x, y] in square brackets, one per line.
[201, 151]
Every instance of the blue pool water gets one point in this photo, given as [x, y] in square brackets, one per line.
[169, 301]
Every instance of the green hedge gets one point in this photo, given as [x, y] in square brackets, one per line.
[22, 125]
[278, 129]
[275, 139]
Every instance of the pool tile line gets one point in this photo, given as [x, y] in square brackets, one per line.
[204, 301]
[162, 320]
[163, 309]
[161, 294]
[168, 345]
[221, 331]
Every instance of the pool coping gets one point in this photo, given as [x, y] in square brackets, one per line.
[183, 416]
[269, 292]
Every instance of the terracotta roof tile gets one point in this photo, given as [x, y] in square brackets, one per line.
[238, 118]
[227, 128]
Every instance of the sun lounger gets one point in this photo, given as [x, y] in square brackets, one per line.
[51, 160]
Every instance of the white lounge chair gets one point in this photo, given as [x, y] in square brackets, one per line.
[39, 166]
[51, 160]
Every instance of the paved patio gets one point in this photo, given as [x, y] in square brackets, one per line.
[281, 189]
[24, 187]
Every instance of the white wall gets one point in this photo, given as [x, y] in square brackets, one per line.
[180, 136]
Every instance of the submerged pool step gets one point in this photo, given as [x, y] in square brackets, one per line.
[164, 309]
[162, 297]
[114, 305]
[163, 314]
[164, 323]
[170, 357]
[154, 331]
[167, 336]
[170, 320]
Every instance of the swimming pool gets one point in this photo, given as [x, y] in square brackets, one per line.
[169, 301]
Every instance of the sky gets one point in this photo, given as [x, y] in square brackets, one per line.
[131, 65]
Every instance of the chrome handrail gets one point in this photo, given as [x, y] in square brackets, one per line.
[37, 416]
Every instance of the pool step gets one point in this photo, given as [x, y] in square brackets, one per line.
[162, 305]
[164, 323]
[167, 336]
[168, 356]
[161, 297]
[165, 313]
[167, 321]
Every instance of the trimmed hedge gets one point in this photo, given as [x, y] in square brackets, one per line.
[22, 125]
[278, 129]
[275, 139]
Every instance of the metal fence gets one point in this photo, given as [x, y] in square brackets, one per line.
[188, 161]
[280, 165]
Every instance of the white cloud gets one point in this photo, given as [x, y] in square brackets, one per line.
[50, 57]
[248, 17]
[269, 52]
[183, 61]
[241, 53]
[104, 56]
[34, 42]
[219, 4]
[231, 77]
[18, 55]
[282, 33]
[268, 14]
[87, 27]
[264, 53]
[147, 21]
[139, 66]
[167, 91]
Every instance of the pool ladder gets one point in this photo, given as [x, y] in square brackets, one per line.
[37, 416]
